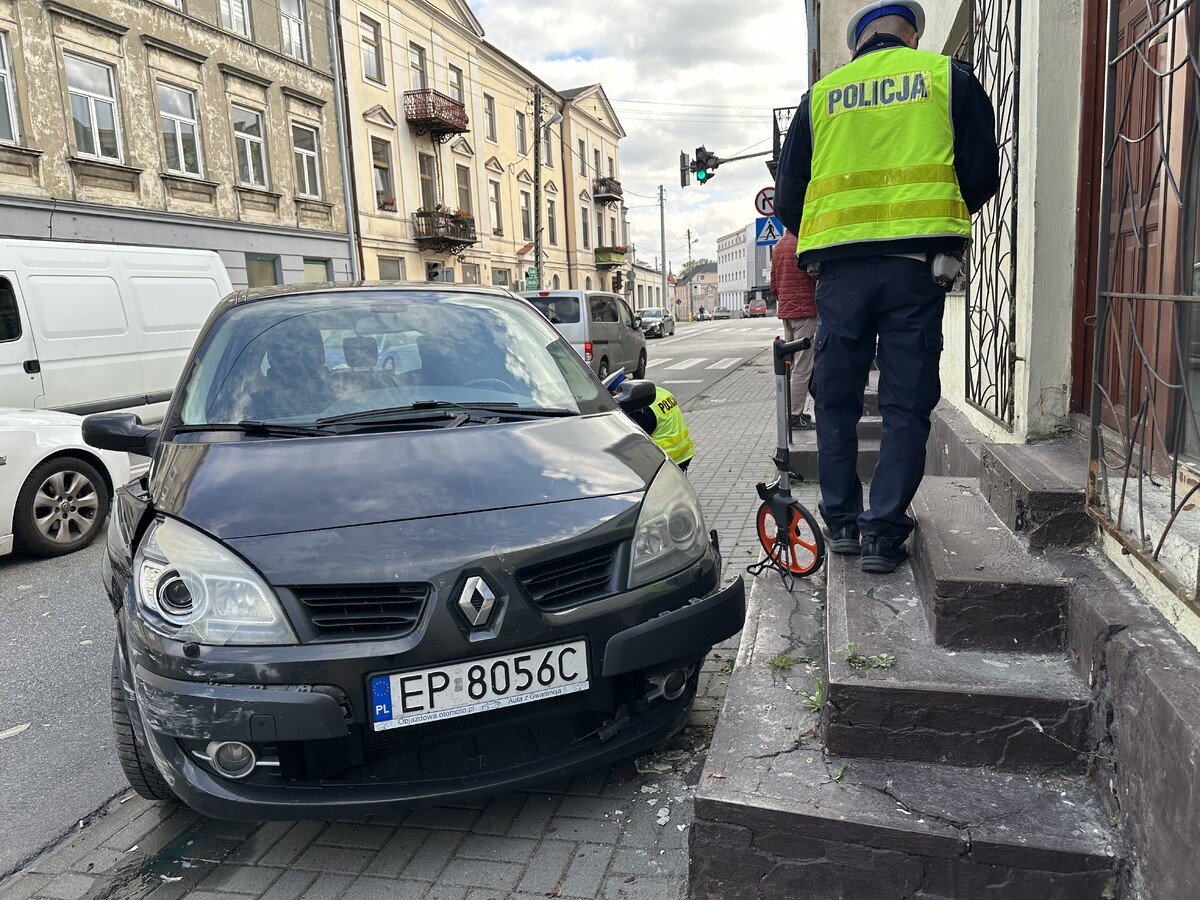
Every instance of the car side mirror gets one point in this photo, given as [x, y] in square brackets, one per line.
[634, 395]
[122, 432]
[637, 321]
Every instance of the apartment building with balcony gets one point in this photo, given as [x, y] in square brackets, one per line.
[182, 123]
[443, 141]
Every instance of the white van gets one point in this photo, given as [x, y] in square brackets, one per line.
[600, 326]
[86, 328]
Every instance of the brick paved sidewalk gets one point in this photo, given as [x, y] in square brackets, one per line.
[618, 833]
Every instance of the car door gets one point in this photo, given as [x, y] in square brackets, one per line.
[20, 369]
[632, 339]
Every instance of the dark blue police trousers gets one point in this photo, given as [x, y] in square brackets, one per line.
[861, 301]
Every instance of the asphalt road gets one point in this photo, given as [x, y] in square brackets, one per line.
[57, 763]
[702, 353]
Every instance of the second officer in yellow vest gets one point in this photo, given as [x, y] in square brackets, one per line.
[886, 160]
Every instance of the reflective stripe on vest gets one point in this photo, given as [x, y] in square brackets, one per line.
[883, 153]
[671, 431]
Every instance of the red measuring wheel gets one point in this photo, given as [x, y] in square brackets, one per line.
[804, 552]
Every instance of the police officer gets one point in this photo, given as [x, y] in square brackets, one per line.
[885, 162]
[663, 421]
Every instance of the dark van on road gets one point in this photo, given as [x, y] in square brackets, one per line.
[346, 585]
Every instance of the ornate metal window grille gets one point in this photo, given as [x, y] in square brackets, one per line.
[1144, 476]
[993, 47]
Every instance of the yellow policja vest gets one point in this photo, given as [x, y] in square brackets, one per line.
[883, 153]
[671, 431]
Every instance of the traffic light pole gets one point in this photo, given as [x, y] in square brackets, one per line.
[703, 168]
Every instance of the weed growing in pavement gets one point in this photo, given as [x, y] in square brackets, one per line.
[814, 701]
[861, 663]
[781, 661]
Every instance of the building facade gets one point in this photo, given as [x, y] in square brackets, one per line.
[181, 123]
[696, 291]
[446, 148]
[645, 287]
[733, 265]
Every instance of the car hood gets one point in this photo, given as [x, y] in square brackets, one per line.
[252, 487]
[37, 418]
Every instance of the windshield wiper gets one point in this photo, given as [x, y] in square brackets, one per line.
[250, 426]
[421, 410]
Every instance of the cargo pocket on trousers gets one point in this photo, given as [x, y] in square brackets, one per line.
[929, 391]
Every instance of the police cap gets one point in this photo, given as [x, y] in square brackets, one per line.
[909, 9]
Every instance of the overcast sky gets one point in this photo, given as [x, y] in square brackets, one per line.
[706, 72]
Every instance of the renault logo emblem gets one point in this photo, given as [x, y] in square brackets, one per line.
[476, 601]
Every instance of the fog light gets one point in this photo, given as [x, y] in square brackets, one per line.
[233, 759]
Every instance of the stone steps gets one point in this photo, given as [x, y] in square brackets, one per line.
[981, 587]
[777, 816]
[804, 450]
[1038, 491]
[935, 704]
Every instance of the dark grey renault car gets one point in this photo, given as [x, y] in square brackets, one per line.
[346, 585]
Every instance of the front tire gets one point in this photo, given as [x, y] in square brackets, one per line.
[640, 371]
[135, 758]
[61, 507]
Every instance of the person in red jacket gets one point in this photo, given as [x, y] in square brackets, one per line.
[795, 293]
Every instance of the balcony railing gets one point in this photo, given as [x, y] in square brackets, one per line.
[432, 112]
[442, 232]
[607, 190]
[610, 257]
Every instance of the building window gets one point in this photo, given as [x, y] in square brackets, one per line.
[612, 169]
[596, 162]
[391, 268]
[8, 93]
[526, 216]
[613, 230]
[456, 84]
[599, 230]
[93, 94]
[582, 157]
[547, 148]
[555, 283]
[489, 116]
[501, 277]
[426, 168]
[551, 223]
[371, 35]
[180, 129]
[251, 149]
[470, 273]
[462, 177]
[586, 231]
[262, 271]
[381, 164]
[494, 208]
[291, 23]
[416, 64]
[522, 134]
[587, 283]
[308, 169]
[235, 16]
[317, 270]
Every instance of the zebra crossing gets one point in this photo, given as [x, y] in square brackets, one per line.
[727, 362]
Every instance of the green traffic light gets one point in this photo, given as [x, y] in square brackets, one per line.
[702, 176]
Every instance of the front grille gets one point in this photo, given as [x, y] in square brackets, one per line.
[363, 611]
[571, 580]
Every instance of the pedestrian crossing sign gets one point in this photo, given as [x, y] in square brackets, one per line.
[768, 230]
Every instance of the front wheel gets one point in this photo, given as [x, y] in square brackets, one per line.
[640, 371]
[805, 551]
[60, 508]
[136, 762]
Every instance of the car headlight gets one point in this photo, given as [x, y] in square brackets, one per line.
[670, 533]
[191, 588]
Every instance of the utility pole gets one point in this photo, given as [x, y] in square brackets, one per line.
[689, 248]
[662, 234]
[537, 182]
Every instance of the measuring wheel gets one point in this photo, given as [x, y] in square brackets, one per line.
[802, 552]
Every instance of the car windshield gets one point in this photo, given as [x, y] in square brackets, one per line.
[652, 314]
[296, 359]
[560, 310]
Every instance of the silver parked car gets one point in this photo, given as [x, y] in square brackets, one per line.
[600, 326]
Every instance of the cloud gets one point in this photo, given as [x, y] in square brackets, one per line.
[705, 72]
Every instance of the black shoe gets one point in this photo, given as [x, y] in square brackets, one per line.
[802, 422]
[844, 540]
[881, 556]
